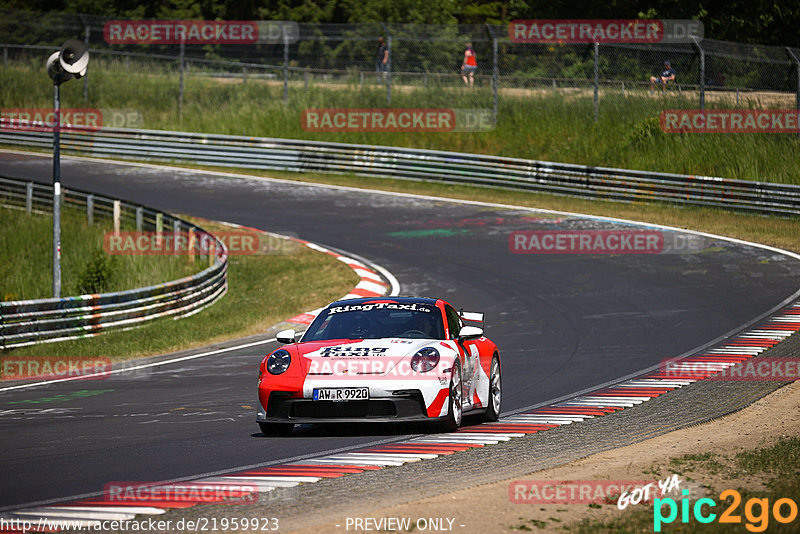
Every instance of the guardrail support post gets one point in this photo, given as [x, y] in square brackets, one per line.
[139, 218]
[244, 74]
[796, 62]
[29, 198]
[702, 74]
[5, 56]
[596, 80]
[90, 209]
[117, 216]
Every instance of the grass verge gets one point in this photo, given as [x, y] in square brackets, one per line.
[531, 123]
[262, 290]
[26, 243]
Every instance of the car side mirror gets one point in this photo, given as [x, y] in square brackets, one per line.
[286, 336]
[470, 332]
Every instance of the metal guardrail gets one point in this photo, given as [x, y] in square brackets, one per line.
[28, 322]
[417, 164]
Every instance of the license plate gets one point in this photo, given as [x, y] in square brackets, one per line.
[341, 394]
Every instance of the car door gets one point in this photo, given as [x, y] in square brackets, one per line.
[469, 356]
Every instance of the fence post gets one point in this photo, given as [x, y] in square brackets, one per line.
[796, 62]
[596, 80]
[244, 75]
[702, 74]
[305, 78]
[29, 198]
[117, 216]
[495, 73]
[180, 89]
[159, 227]
[5, 56]
[139, 218]
[90, 209]
[389, 70]
[176, 235]
[285, 65]
[86, 76]
[192, 244]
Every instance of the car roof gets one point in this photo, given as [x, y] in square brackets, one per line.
[401, 300]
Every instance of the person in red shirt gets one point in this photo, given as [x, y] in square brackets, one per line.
[469, 66]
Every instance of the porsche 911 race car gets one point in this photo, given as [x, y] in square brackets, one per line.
[381, 359]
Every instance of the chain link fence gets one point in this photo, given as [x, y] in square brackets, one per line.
[431, 56]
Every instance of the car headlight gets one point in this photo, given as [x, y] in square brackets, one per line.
[278, 362]
[425, 359]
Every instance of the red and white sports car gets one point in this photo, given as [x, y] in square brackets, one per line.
[385, 359]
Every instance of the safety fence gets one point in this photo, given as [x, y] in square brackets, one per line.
[427, 165]
[28, 322]
[426, 56]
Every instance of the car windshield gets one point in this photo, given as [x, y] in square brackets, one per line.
[377, 320]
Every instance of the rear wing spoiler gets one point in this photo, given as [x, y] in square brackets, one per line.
[472, 317]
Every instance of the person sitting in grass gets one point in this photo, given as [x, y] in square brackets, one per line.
[667, 75]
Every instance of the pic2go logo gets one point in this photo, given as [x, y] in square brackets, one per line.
[756, 511]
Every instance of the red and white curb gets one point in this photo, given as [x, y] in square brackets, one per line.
[739, 348]
[370, 283]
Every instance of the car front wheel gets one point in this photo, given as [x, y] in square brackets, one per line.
[495, 390]
[455, 407]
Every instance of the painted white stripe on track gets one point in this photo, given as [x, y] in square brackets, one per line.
[270, 478]
[352, 461]
[77, 514]
[371, 286]
[268, 486]
[420, 455]
[147, 510]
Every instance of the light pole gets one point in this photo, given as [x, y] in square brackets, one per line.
[71, 61]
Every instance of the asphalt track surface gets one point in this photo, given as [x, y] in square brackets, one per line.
[563, 322]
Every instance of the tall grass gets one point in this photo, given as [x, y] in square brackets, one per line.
[536, 123]
[27, 256]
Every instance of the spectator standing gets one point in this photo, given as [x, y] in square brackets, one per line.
[382, 60]
[469, 66]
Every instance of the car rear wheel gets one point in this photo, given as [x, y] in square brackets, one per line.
[455, 407]
[276, 429]
[495, 391]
